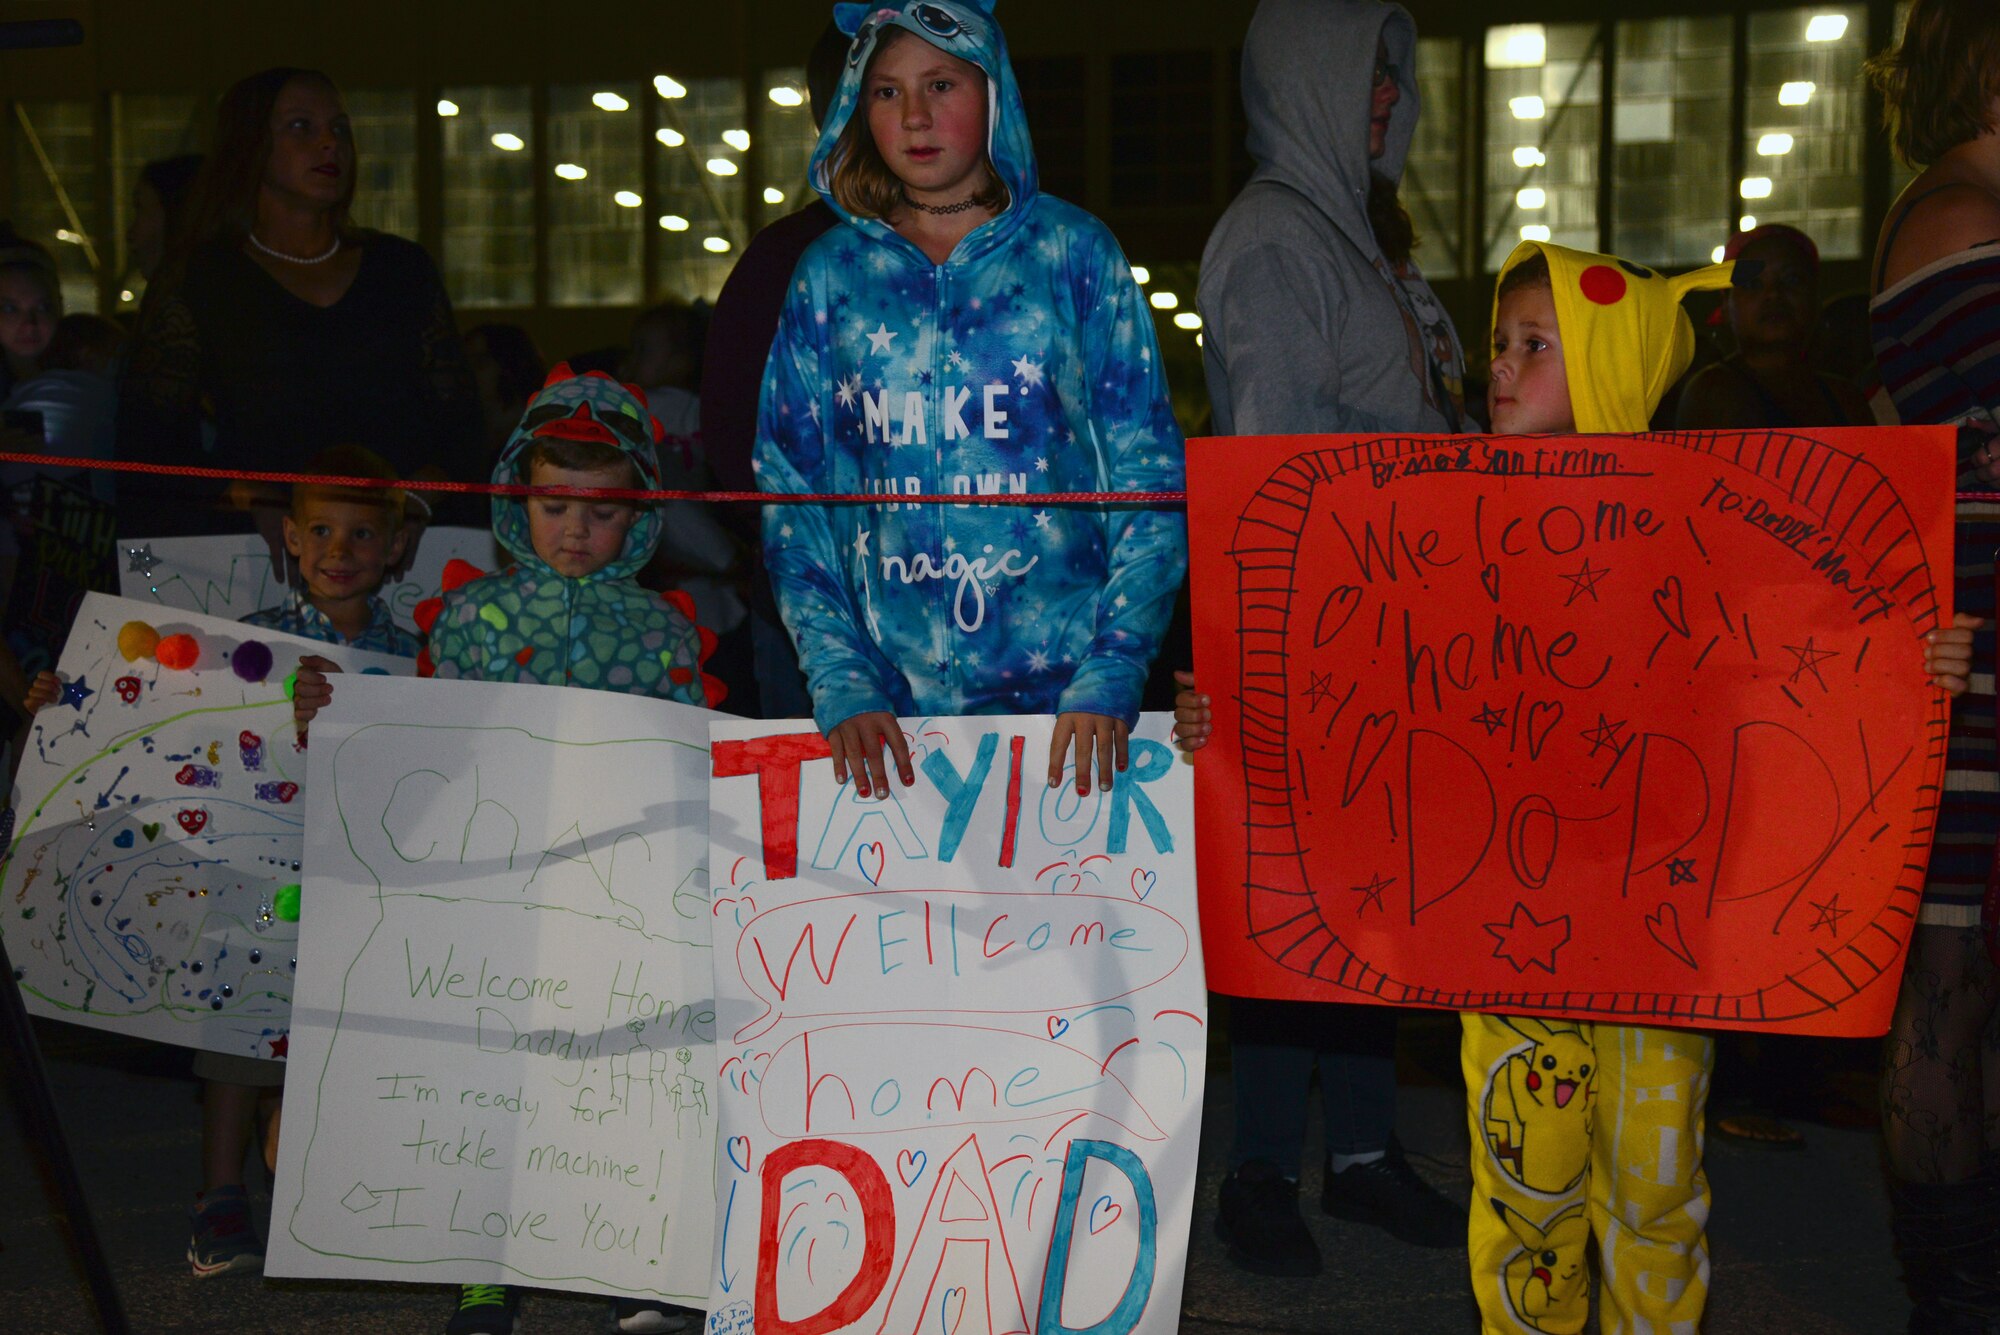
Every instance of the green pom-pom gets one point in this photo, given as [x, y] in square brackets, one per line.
[286, 903]
[291, 684]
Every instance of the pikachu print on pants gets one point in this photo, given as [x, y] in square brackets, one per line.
[1580, 1131]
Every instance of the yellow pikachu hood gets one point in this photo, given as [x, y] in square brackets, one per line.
[1625, 337]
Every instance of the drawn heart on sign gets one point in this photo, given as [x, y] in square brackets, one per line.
[1490, 578]
[127, 688]
[1334, 614]
[287, 791]
[1664, 926]
[1058, 1026]
[950, 1313]
[123, 839]
[738, 1149]
[151, 829]
[192, 821]
[186, 776]
[1143, 883]
[1538, 730]
[1675, 616]
[1371, 739]
[910, 1166]
[872, 853]
[1110, 1215]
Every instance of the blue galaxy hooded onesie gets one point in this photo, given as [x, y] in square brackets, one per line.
[1025, 363]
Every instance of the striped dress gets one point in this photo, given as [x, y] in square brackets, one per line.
[1937, 345]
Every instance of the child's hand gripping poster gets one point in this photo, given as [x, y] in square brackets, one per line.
[503, 1048]
[151, 883]
[1608, 727]
[961, 1036]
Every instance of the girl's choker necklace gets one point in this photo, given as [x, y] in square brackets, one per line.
[971, 202]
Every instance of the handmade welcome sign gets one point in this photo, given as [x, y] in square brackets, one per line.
[1603, 727]
[961, 1036]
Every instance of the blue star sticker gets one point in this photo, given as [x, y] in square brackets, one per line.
[74, 693]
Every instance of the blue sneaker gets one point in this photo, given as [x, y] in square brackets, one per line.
[485, 1309]
[221, 1240]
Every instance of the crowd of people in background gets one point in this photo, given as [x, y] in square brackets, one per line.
[273, 330]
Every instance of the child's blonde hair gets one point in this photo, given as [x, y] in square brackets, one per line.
[353, 461]
[858, 177]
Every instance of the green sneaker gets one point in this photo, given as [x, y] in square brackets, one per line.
[485, 1309]
[221, 1240]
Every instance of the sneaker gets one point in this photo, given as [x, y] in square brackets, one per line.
[220, 1238]
[1388, 1193]
[1259, 1221]
[485, 1309]
[637, 1316]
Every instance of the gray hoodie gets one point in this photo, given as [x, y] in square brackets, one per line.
[1307, 328]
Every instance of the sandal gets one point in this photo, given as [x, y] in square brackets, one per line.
[1758, 1131]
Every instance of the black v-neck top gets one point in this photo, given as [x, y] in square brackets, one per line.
[280, 379]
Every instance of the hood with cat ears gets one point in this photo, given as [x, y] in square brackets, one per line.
[1625, 338]
[962, 28]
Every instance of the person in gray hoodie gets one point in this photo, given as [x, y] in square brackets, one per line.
[1316, 320]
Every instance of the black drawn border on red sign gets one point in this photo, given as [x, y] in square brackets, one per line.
[1850, 496]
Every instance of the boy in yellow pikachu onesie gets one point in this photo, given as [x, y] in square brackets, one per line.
[1587, 1128]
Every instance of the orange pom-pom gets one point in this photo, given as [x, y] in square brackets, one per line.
[178, 652]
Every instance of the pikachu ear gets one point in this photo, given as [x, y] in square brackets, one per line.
[1524, 1232]
[1535, 1031]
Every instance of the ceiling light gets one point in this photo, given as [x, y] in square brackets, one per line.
[722, 166]
[126, 295]
[627, 199]
[1826, 27]
[773, 195]
[569, 171]
[673, 222]
[1516, 46]
[1774, 145]
[787, 96]
[64, 234]
[1197, 340]
[1796, 94]
[447, 107]
[1534, 232]
[715, 244]
[1527, 155]
[666, 87]
[512, 143]
[1755, 187]
[1530, 197]
[1527, 108]
[1715, 256]
[1187, 320]
[671, 138]
[1141, 274]
[737, 139]
[1165, 301]
[1747, 223]
[609, 102]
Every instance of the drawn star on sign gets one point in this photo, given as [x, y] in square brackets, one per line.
[1680, 871]
[1809, 658]
[1319, 690]
[74, 693]
[1371, 893]
[1828, 915]
[1584, 581]
[1525, 940]
[1493, 720]
[142, 559]
[1605, 735]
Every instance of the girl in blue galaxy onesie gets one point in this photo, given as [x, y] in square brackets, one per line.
[963, 333]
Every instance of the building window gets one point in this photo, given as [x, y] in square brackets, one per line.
[489, 195]
[55, 193]
[698, 184]
[145, 128]
[597, 201]
[1670, 140]
[1162, 128]
[1053, 89]
[1805, 124]
[385, 145]
[1430, 174]
[787, 138]
[1543, 87]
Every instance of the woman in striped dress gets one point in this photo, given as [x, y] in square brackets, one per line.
[1935, 319]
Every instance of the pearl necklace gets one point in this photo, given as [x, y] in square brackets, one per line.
[331, 251]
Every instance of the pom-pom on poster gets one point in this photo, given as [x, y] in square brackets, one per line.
[151, 884]
[961, 1035]
[1623, 728]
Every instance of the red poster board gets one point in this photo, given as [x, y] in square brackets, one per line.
[1611, 727]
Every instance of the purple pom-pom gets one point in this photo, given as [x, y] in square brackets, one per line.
[252, 660]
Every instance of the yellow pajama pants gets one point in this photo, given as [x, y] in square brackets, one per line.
[1582, 1130]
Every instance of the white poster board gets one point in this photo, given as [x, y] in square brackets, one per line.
[961, 1036]
[158, 813]
[503, 1062]
[230, 575]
